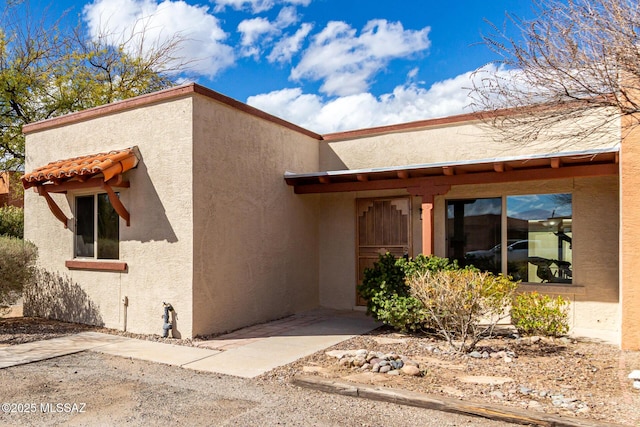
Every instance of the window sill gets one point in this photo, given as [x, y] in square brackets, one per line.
[96, 265]
[553, 288]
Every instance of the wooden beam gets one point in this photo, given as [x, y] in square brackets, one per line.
[362, 177]
[498, 167]
[444, 404]
[448, 170]
[556, 163]
[403, 174]
[116, 203]
[534, 174]
[54, 208]
[83, 185]
[324, 179]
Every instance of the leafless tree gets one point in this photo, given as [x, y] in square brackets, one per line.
[573, 71]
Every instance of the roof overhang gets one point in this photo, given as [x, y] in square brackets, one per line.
[104, 165]
[594, 162]
[101, 170]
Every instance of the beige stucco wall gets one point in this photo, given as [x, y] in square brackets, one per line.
[158, 245]
[455, 142]
[630, 235]
[255, 241]
[337, 242]
[595, 311]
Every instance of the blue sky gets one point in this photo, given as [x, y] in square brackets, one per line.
[327, 65]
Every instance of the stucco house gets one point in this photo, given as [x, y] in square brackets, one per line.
[236, 217]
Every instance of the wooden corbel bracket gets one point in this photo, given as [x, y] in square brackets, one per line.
[55, 209]
[116, 203]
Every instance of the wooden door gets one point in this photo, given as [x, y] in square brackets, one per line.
[384, 225]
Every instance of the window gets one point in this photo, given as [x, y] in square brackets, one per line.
[473, 232]
[535, 231]
[97, 233]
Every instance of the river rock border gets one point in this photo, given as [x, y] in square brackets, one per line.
[378, 362]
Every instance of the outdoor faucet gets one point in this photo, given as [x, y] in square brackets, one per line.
[167, 323]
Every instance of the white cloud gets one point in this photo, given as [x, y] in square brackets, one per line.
[346, 62]
[252, 29]
[149, 23]
[286, 47]
[256, 6]
[286, 17]
[260, 32]
[408, 102]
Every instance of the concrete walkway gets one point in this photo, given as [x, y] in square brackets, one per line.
[245, 353]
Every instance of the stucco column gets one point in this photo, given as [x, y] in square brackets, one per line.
[427, 192]
[630, 238]
[427, 226]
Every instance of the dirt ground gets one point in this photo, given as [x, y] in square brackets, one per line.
[557, 376]
[585, 380]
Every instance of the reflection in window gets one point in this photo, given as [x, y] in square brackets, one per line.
[84, 233]
[473, 232]
[96, 222]
[108, 229]
[540, 237]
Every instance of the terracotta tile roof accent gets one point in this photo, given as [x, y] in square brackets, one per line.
[84, 167]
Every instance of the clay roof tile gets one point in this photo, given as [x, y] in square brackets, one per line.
[108, 164]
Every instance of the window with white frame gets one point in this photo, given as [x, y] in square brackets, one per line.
[97, 230]
[528, 237]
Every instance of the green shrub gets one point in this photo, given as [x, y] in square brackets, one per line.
[387, 293]
[535, 314]
[17, 266]
[463, 305]
[12, 221]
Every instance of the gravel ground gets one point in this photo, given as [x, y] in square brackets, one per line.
[574, 379]
[591, 377]
[109, 390]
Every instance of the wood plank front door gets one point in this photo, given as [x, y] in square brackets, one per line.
[384, 225]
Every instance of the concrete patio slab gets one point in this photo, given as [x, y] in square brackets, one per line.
[247, 353]
[56, 347]
[287, 344]
[234, 363]
[169, 354]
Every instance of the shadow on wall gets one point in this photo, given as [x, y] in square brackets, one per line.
[148, 215]
[329, 159]
[53, 296]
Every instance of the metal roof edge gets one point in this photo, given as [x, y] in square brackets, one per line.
[590, 152]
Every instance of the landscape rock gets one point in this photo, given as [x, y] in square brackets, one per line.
[376, 362]
[339, 354]
[410, 370]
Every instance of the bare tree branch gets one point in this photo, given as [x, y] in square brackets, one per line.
[577, 62]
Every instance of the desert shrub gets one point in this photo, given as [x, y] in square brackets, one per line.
[463, 305]
[535, 314]
[12, 221]
[387, 293]
[17, 266]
